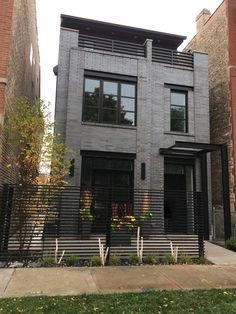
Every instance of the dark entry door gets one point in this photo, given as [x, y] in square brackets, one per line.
[111, 191]
[175, 207]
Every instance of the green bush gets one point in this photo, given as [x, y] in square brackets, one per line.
[133, 259]
[151, 259]
[168, 259]
[231, 244]
[95, 261]
[71, 260]
[114, 260]
[48, 261]
[185, 259]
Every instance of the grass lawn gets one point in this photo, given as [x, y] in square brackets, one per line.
[198, 301]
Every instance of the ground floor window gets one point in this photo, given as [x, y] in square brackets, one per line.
[110, 180]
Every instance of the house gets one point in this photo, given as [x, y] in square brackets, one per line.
[19, 64]
[135, 113]
[216, 36]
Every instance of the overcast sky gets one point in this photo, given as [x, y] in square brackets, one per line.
[171, 16]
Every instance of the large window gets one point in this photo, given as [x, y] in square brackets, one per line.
[178, 111]
[109, 101]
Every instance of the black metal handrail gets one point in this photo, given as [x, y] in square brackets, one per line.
[161, 55]
[172, 57]
[104, 44]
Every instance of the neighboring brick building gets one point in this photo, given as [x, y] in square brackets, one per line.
[19, 64]
[216, 35]
[124, 97]
[19, 52]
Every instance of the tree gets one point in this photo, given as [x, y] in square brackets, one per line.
[30, 135]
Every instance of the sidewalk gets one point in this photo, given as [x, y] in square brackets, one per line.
[74, 281]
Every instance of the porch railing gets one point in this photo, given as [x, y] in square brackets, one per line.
[160, 55]
[32, 218]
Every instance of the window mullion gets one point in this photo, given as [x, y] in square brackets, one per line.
[119, 103]
[101, 102]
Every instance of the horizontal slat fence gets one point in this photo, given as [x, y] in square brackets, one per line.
[32, 218]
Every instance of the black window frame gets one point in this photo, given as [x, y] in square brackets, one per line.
[183, 92]
[119, 79]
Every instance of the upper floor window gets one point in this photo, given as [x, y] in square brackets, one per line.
[109, 101]
[178, 111]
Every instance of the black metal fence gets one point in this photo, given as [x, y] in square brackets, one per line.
[161, 55]
[31, 218]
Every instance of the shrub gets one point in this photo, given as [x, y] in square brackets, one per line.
[168, 259]
[48, 261]
[133, 259]
[95, 261]
[114, 260]
[231, 244]
[71, 260]
[151, 259]
[185, 259]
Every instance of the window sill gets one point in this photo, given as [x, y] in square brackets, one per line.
[116, 126]
[179, 134]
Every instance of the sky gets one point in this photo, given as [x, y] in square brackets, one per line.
[171, 16]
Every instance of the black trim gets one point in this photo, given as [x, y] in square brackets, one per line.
[179, 87]
[108, 155]
[110, 76]
[121, 32]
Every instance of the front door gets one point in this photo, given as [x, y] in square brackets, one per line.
[177, 180]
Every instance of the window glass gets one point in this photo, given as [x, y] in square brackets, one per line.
[109, 116]
[178, 125]
[92, 86]
[127, 118]
[178, 111]
[127, 90]
[91, 114]
[178, 99]
[174, 169]
[110, 101]
[127, 104]
[110, 88]
[91, 99]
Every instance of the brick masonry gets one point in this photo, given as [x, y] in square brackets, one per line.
[153, 103]
[216, 36]
[19, 52]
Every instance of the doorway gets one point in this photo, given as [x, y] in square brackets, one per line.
[178, 191]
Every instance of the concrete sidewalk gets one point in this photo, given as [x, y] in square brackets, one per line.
[219, 255]
[74, 281]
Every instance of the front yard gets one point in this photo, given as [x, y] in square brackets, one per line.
[176, 302]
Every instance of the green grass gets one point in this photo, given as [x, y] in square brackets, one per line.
[198, 301]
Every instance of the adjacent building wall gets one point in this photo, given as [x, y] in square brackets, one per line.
[212, 37]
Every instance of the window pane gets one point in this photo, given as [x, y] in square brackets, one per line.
[128, 90]
[110, 88]
[127, 118]
[127, 104]
[177, 112]
[121, 180]
[91, 99]
[109, 102]
[174, 169]
[178, 99]
[91, 114]
[178, 125]
[92, 86]
[109, 116]
[121, 164]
